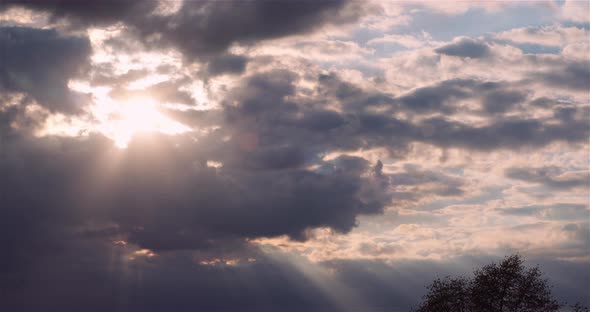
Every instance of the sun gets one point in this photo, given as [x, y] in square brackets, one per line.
[120, 121]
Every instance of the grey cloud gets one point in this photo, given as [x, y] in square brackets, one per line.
[104, 75]
[262, 109]
[567, 113]
[64, 201]
[429, 182]
[162, 199]
[40, 62]
[203, 29]
[103, 279]
[14, 119]
[351, 96]
[322, 120]
[96, 13]
[572, 76]
[375, 249]
[502, 101]
[552, 177]
[87, 275]
[440, 98]
[561, 211]
[92, 276]
[507, 134]
[226, 64]
[206, 28]
[543, 102]
[445, 97]
[262, 94]
[465, 47]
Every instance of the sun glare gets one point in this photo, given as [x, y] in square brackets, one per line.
[122, 120]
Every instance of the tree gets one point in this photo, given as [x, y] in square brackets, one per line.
[579, 308]
[504, 287]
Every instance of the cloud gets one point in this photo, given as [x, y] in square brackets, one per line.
[465, 47]
[574, 76]
[408, 41]
[96, 13]
[446, 97]
[231, 64]
[577, 51]
[502, 101]
[99, 277]
[205, 29]
[551, 177]
[40, 62]
[510, 134]
[551, 212]
[554, 35]
[427, 183]
[262, 190]
[303, 138]
[576, 11]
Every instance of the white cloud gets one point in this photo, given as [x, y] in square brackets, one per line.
[576, 11]
[408, 41]
[554, 35]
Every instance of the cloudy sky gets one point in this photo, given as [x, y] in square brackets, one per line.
[287, 156]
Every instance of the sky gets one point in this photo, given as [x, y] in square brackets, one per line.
[330, 155]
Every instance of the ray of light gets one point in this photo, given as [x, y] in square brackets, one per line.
[120, 121]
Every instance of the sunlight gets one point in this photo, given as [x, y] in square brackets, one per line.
[120, 121]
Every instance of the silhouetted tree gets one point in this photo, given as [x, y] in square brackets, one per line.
[579, 308]
[504, 287]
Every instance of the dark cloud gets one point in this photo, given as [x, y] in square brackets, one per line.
[92, 276]
[551, 177]
[440, 98]
[501, 101]
[261, 108]
[465, 47]
[65, 201]
[92, 13]
[204, 29]
[572, 76]
[503, 134]
[544, 102]
[161, 194]
[567, 113]
[445, 97]
[430, 182]
[226, 64]
[162, 198]
[40, 62]
[98, 277]
[352, 97]
[207, 28]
